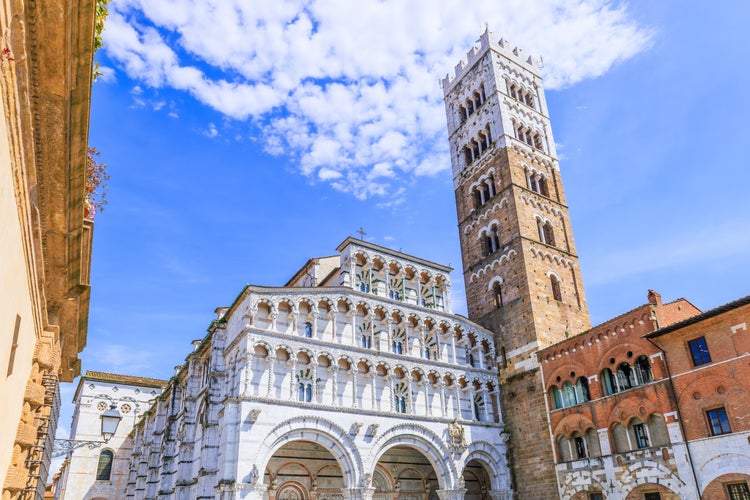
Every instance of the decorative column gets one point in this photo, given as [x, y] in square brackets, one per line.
[388, 322]
[370, 381]
[312, 318]
[314, 369]
[391, 384]
[459, 413]
[272, 314]
[332, 314]
[271, 362]
[409, 394]
[427, 405]
[453, 347]
[248, 370]
[443, 407]
[475, 352]
[498, 415]
[335, 384]
[354, 325]
[293, 381]
[353, 371]
[292, 319]
[484, 400]
[332, 370]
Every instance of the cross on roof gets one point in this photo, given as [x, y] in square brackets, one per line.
[361, 232]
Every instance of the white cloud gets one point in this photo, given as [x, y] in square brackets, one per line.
[211, 131]
[348, 90]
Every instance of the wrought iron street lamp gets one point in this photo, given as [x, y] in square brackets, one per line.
[110, 420]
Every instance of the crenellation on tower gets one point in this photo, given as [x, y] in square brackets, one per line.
[486, 42]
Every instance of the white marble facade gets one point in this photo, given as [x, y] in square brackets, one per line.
[99, 472]
[360, 385]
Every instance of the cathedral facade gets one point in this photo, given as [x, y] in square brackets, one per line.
[353, 380]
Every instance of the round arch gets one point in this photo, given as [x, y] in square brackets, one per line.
[321, 431]
[652, 475]
[423, 440]
[489, 456]
[717, 487]
[580, 483]
[721, 465]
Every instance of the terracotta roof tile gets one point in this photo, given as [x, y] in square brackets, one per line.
[126, 379]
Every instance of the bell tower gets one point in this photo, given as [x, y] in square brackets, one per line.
[519, 260]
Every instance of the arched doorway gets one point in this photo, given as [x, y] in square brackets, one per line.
[404, 473]
[652, 490]
[303, 470]
[477, 481]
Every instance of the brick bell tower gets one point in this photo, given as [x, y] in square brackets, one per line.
[520, 264]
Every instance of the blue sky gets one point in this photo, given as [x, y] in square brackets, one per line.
[242, 141]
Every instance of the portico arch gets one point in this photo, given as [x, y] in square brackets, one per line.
[423, 441]
[319, 431]
[483, 454]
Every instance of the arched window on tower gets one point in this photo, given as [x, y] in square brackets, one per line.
[491, 241]
[468, 156]
[546, 233]
[529, 99]
[497, 289]
[537, 140]
[555, 284]
[104, 465]
[490, 187]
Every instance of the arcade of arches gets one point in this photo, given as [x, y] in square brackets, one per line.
[305, 470]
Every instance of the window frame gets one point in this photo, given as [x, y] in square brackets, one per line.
[640, 432]
[742, 494]
[699, 352]
[107, 466]
[718, 411]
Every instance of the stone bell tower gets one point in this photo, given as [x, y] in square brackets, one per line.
[520, 263]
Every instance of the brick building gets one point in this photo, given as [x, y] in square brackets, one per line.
[708, 357]
[624, 396]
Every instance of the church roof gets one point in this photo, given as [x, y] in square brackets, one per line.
[125, 379]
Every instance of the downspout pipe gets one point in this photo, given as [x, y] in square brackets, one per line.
[677, 407]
